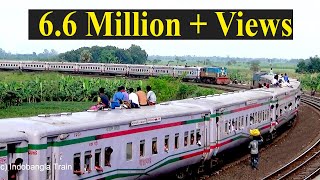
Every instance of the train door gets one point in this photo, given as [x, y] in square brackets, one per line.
[16, 158]
[206, 135]
[51, 160]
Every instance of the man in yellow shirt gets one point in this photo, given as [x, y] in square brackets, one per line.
[142, 97]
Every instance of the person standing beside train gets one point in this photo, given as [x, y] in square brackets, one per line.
[142, 97]
[254, 146]
[151, 96]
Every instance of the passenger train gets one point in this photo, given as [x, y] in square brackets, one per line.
[181, 136]
[213, 75]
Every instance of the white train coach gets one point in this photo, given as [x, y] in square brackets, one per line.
[182, 136]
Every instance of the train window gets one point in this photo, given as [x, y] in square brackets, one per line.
[236, 124]
[142, 143]
[186, 138]
[107, 156]
[280, 112]
[255, 117]
[191, 137]
[251, 120]
[263, 116]
[239, 123]
[198, 136]
[129, 151]
[76, 164]
[176, 141]
[226, 127]
[97, 158]
[154, 146]
[166, 143]
[242, 123]
[87, 161]
[49, 169]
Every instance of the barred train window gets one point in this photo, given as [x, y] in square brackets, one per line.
[142, 152]
[129, 151]
[192, 137]
[176, 141]
[97, 158]
[76, 163]
[166, 143]
[87, 160]
[154, 146]
[186, 138]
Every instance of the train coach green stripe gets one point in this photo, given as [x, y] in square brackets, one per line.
[22, 150]
[193, 121]
[115, 176]
[73, 141]
[37, 146]
[3, 153]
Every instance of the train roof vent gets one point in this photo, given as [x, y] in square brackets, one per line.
[202, 96]
[165, 103]
[90, 110]
[217, 94]
[196, 97]
[58, 114]
[66, 113]
[210, 95]
[44, 115]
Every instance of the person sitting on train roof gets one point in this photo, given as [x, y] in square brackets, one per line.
[142, 97]
[286, 78]
[271, 72]
[151, 96]
[125, 93]
[133, 97]
[275, 80]
[103, 100]
[117, 98]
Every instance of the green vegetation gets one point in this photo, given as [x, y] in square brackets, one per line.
[311, 82]
[34, 109]
[108, 54]
[32, 88]
[311, 65]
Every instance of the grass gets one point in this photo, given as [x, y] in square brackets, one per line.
[38, 87]
[34, 109]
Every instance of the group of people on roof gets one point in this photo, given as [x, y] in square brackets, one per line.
[279, 80]
[126, 99]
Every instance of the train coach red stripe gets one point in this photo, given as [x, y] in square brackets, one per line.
[191, 155]
[245, 108]
[132, 131]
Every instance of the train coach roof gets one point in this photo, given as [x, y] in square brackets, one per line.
[227, 99]
[89, 120]
[9, 136]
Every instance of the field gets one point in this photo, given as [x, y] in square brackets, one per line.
[53, 92]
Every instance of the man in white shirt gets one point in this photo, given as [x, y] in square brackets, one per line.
[151, 96]
[133, 97]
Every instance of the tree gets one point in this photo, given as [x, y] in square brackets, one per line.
[138, 55]
[301, 67]
[255, 66]
[229, 63]
[85, 56]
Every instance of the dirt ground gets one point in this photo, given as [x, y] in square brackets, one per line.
[306, 129]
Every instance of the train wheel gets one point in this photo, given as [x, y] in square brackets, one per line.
[181, 174]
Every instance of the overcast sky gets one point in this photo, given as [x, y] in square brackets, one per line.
[306, 28]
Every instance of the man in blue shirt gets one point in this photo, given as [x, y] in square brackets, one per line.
[286, 78]
[104, 100]
[117, 98]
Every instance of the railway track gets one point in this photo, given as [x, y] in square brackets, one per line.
[306, 165]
